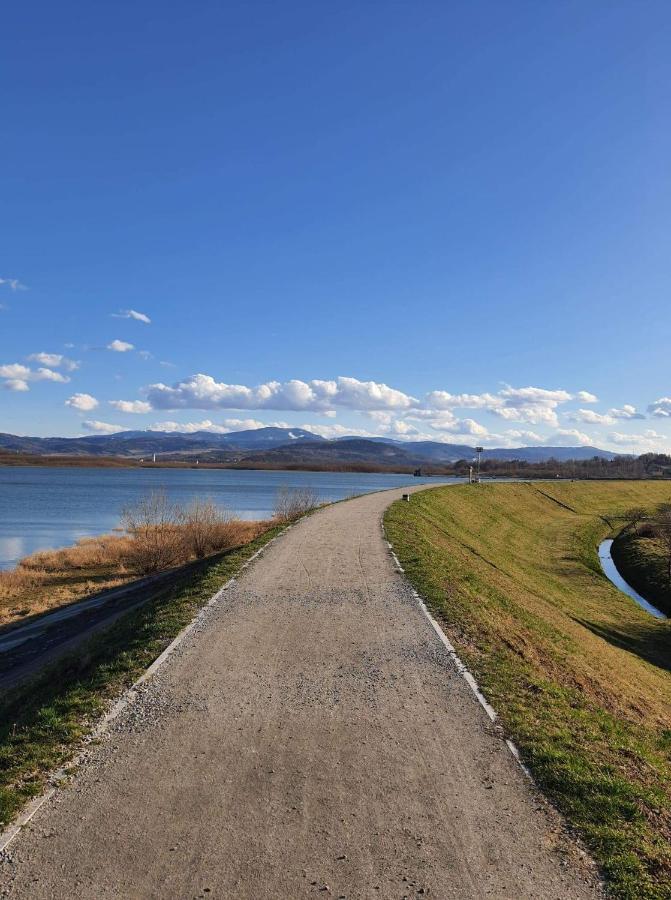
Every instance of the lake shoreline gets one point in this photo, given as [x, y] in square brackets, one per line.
[51, 507]
[107, 462]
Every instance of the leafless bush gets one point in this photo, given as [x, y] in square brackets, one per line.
[163, 534]
[153, 525]
[635, 517]
[160, 535]
[292, 503]
[207, 529]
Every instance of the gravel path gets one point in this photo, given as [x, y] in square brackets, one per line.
[309, 738]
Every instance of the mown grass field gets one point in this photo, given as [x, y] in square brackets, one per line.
[43, 724]
[577, 672]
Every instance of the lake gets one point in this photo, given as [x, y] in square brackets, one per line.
[55, 507]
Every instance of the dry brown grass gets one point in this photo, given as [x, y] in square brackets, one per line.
[53, 578]
[156, 542]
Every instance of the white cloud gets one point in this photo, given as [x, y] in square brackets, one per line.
[101, 427]
[442, 421]
[514, 437]
[382, 418]
[13, 284]
[55, 361]
[42, 374]
[534, 395]
[402, 428]
[452, 425]
[393, 412]
[120, 346]
[250, 424]
[626, 412]
[131, 406]
[82, 402]
[336, 430]
[132, 314]
[568, 437]
[15, 370]
[590, 417]
[661, 408]
[648, 440]
[225, 427]
[528, 404]
[533, 415]
[445, 400]
[203, 392]
[189, 427]
[19, 376]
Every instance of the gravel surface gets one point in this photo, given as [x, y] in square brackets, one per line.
[310, 737]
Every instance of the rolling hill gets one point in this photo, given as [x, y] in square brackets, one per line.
[270, 445]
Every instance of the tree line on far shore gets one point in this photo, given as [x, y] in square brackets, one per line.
[649, 465]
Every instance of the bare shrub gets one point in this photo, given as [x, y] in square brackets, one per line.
[162, 534]
[199, 521]
[206, 529]
[635, 516]
[159, 536]
[153, 524]
[292, 503]
[231, 533]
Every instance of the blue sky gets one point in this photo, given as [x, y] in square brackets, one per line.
[460, 210]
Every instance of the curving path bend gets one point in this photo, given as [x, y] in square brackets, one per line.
[310, 737]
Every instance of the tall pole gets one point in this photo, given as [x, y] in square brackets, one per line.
[479, 450]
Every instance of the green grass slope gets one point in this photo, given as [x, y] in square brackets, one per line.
[577, 672]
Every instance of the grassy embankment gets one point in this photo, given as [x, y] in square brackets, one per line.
[577, 672]
[643, 562]
[42, 726]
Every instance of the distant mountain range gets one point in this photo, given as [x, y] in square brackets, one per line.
[276, 446]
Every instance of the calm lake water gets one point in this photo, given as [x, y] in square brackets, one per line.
[48, 508]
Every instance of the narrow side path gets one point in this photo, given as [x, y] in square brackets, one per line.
[311, 738]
